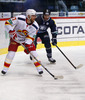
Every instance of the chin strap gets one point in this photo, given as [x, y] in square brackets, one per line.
[29, 18]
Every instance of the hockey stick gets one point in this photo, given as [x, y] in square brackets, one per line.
[68, 59]
[55, 77]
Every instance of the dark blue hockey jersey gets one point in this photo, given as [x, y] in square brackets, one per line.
[44, 25]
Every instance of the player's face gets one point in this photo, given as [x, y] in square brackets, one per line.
[33, 17]
[46, 17]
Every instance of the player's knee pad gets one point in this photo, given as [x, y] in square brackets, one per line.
[34, 53]
[46, 37]
[47, 45]
[47, 41]
[9, 58]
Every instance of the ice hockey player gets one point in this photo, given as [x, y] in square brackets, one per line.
[24, 29]
[46, 22]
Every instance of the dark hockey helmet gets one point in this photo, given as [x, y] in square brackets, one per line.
[46, 12]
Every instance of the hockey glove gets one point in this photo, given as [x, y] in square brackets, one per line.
[13, 34]
[54, 39]
[29, 47]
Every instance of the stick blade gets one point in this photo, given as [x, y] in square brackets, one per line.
[79, 66]
[58, 77]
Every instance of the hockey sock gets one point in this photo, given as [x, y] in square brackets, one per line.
[8, 60]
[36, 63]
[49, 52]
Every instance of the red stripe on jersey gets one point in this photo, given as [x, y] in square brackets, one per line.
[7, 23]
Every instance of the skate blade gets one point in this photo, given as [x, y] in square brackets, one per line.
[79, 66]
[58, 77]
[3, 74]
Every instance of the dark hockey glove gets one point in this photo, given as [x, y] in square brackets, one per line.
[54, 41]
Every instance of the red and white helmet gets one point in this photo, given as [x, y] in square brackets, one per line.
[30, 12]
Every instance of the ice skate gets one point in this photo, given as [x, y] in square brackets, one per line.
[3, 72]
[30, 58]
[39, 69]
[52, 60]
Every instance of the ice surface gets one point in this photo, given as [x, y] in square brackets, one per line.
[22, 81]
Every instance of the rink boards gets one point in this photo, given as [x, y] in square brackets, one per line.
[71, 32]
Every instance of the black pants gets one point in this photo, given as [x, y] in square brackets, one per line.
[46, 41]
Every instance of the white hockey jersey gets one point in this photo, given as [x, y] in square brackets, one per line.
[25, 33]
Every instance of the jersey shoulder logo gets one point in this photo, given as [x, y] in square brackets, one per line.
[47, 23]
